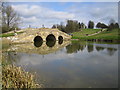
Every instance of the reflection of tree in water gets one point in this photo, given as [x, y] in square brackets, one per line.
[90, 47]
[98, 48]
[111, 51]
[72, 48]
[75, 47]
[82, 47]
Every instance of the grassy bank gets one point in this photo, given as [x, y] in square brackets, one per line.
[105, 35]
[8, 34]
[85, 31]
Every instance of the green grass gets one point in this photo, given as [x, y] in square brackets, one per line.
[105, 35]
[9, 34]
[85, 31]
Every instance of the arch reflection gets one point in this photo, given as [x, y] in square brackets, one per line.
[50, 43]
[38, 44]
[60, 41]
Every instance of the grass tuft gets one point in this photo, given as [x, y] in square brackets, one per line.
[15, 77]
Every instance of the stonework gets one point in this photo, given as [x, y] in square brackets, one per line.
[30, 34]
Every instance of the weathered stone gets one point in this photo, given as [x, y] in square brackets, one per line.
[30, 34]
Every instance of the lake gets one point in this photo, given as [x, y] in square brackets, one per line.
[68, 64]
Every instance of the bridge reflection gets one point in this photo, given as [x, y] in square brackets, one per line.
[50, 43]
[40, 47]
[38, 44]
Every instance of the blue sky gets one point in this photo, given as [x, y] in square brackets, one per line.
[49, 13]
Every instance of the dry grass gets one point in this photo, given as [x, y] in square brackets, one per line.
[15, 77]
[4, 43]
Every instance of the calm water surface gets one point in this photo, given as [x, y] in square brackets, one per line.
[71, 64]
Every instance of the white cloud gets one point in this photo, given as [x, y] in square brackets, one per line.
[38, 11]
[30, 19]
[37, 15]
[59, 15]
[98, 12]
[27, 11]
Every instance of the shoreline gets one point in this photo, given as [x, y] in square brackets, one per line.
[98, 40]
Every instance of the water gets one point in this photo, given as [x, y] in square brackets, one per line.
[67, 64]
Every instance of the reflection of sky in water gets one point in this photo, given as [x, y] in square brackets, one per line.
[81, 69]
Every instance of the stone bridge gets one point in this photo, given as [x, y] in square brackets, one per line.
[32, 35]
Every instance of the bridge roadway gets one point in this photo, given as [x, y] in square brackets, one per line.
[31, 35]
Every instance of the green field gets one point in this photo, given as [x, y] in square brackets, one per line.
[105, 35]
[8, 34]
[85, 31]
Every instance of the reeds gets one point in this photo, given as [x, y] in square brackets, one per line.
[15, 77]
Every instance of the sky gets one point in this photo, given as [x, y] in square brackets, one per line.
[48, 13]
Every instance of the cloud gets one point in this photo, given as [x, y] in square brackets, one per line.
[30, 19]
[59, 15]
[38, 11]
[37, 15]
[98, 12]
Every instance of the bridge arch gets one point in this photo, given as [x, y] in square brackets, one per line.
[50, 37]
[38, 39]
[60, 39]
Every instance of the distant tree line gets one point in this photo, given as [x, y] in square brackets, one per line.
[74, 26]
[71, 26]
[113, 26]
[101, 25]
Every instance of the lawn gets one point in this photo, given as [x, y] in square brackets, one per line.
[106, 35]
[8, 34]
[84, 32]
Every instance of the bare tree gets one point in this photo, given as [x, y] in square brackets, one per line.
[0, 16]
[10, 18]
